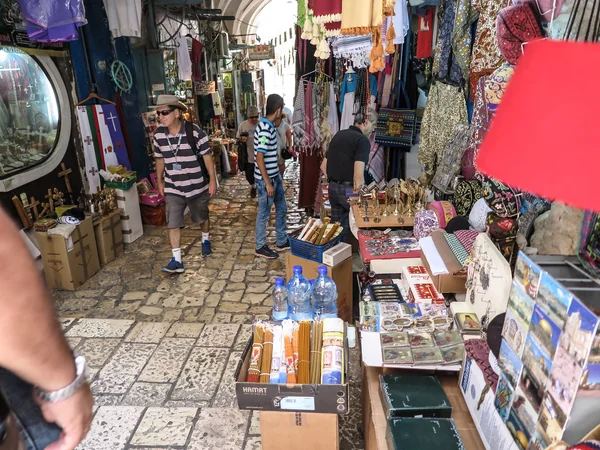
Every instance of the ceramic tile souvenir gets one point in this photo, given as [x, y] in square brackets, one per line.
[553, 299]
[447, 338]
[369, 323]
[531, 390]
[518, 431]
[427, 355]
[397, 356]
[510, 363]
[421, 340]
[552, 420]
[394, 340]
[520, 303]
[528, 274]
[504, 397]
[545, 331]
[515, 332]
[369, 308]
[537, 361]
[393, 309]
[525, 411]
[453, 354]
[573, 349]
[467, 323]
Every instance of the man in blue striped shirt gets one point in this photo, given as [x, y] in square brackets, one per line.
[269, 185]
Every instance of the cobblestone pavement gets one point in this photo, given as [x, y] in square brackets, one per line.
[163, 348]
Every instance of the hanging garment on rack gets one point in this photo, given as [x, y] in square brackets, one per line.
[359, 17]
[328, 13]
[356, 49]
[376, 164]
[348, 85]
[495, 86]
[91, 154]
[517, 25]
[308, 125]
[316, 116]
[197, 48]
[446, 108]
[445, 64]
[309, 178]
[401, 21]
[299, 119]
[486, 56]
[332, 118]
[466, 16]
[348, 112]
[479, 126]
[184, 63]
[124, 17]
[425, 35]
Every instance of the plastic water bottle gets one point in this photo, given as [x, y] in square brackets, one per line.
[299, 296]
[324, 294]
[280, 302]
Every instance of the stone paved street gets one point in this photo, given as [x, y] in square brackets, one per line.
[163, 348]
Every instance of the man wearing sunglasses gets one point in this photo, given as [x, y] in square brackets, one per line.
[185, 174]
[246, 136]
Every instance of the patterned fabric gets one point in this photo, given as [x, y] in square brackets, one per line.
[426, 222]
[479, 126]
[515, 25]
[445, 64]
[495, 85]
[479, 351]
[395, 127]
[589, 243]
[309, 126]
[425, 34]
[445, 110]
[444, 211]
[466, 16]
[448, 256]
[467, 238]
[457, 248]
[486, 56]
[478, 215]
[449, 166]
[299, 118]
[465, 196]
[531, 208]
[503, 233]
[503, 200]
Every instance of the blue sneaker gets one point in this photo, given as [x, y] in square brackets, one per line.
[206, 250]
[174, 267]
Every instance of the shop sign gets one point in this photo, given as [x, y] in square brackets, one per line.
[261, 52]
[204, 87]
[19, 39]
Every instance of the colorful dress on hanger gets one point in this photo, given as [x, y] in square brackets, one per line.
[479, 126]
[445, 64]
[466, 16]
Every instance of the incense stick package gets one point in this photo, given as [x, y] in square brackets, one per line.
[265, 365]
[333, 351]
[288, 331]
[295, 345]
[277, 353]
[315, 352]
[321, 234]
[257, 349]
[307, 227]
[313, 230]
[330, 234]
[304, 353]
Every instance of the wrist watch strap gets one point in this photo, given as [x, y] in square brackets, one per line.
[71, 389]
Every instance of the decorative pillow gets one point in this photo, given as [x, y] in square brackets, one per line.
[516, 25]
[504, 200]
[479, 214]
[426, 222]
[444, 210]
[465, 196]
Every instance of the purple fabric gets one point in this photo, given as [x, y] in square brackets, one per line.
[53, 21]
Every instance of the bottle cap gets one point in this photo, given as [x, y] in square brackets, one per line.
[297, 270]
[278, 281]
[322, 270]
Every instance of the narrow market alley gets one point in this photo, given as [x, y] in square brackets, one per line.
[163, 349]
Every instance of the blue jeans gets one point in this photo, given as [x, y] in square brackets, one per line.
[264, 211]
[35, 431]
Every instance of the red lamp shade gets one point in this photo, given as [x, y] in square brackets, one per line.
[545, 136]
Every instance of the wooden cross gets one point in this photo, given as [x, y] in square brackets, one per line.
[58, 196]
[45, 208]
[50, 201]
[65, 173]
[33, 204]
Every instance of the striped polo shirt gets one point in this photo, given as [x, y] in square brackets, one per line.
[183, 175]
[265, 141]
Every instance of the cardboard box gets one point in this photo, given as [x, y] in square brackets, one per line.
[109, 237]
[340, 274]
[131, 216]
[68, 263]
[320, 398]
[337, 254]
[299, 431]
[419, 286]
[446, 283]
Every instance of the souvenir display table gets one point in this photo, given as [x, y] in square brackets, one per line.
[390, 221]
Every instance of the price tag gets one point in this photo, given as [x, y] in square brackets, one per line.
[301, 403]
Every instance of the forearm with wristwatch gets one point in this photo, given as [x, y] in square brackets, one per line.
[58, 395]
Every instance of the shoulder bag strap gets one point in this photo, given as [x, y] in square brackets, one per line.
[189, 132]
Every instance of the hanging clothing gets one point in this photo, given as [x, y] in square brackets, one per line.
[197, 48]
[446, 108]
[309, 127]
[348, 85]
[376, 164]
[124, 17]
[184, 63]
[310, 163]
[425, 35]
[486, 56]
[466, 16]
[356, 49]
[329, 14]
[348, 112]
[360, 17]
[445, 65]
[479, 126]
[90, 150]
[332, 118]
[401, 21]
[316, 116]
[299, 119]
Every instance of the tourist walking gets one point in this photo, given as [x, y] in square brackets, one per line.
[245, 135]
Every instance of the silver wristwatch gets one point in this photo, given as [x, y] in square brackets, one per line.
[71, 389]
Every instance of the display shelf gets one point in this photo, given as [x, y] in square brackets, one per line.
[390, 221]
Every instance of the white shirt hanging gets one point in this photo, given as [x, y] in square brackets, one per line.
[124, 17]
[184, 63]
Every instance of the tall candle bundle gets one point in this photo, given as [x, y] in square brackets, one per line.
[295, 341]
[333, 351]
[257, 349]
[315, 352]
[277, 353]
[265, 366]
[304, 353]
[288, 331]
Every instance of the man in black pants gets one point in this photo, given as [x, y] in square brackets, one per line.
[344, 164]
[246, 136]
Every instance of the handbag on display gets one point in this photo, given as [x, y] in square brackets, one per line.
[396, 126]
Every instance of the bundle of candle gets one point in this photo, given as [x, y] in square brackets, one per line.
[297, 352]
[320, 232]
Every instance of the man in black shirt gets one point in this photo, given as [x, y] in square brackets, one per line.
[344, 164]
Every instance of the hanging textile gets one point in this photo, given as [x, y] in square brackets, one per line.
[401, 21]
[446, 108]
[348, 85]
[517, 25]
[52, 21]
[184, 63]
[110, 136]
[466, 16]
[197, 48]
[216, 103]
[356, 49]
[309, 127]
[376, 164]
[309, 178]
[299, 119]
[479, 126]
[495, 86]
[360, 17]
[329, 14]
[589, 243]
[332, 118]
[486, 56]
[124, 17]
[425, 35]
[316, 116]
[445, 64]
[89, 140]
